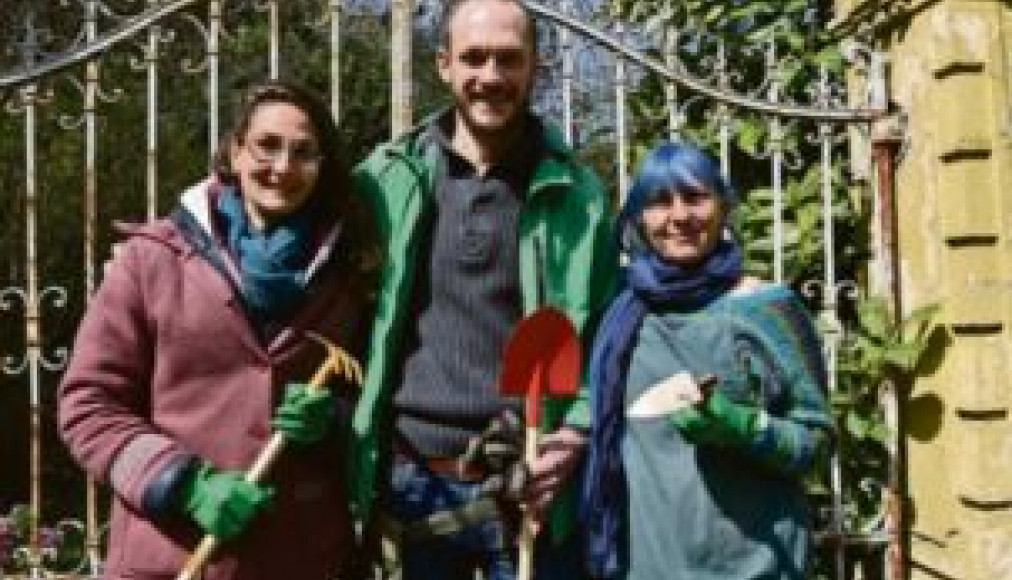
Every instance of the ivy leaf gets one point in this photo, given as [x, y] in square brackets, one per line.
[880, 432]
[831, 58]
[873, 315]
[916, 326]
[714, 13]
[763, 244]
[761, 194]
[904, 356]
[750, 135]
[794, 39]
[839, 399]
[857, 425]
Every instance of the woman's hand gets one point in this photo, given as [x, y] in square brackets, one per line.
[670, 395]
[305, 414]
[718, 420]
[222, 502]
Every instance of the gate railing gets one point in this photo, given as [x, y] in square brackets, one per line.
[592, 64]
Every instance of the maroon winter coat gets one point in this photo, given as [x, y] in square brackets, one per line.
[166, 363]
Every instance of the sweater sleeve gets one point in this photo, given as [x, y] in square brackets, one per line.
[785, 364]
[104, 397]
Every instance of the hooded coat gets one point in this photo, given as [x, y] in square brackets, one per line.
[167, 363]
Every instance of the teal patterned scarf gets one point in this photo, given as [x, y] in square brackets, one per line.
[271, 263]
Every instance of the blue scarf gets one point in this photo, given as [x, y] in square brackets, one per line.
[271, 263]
[649, 283]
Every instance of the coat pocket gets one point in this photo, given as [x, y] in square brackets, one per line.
[149, 550]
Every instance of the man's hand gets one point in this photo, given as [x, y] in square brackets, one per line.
[558, 455]
[499, 452]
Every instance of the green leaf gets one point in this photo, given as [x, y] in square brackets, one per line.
[714, 13]
[880, 433]
[840, 399]
[904, 356]
[857, 425]
[873, 315]
[831, 58]
[760, 194]
[918, 323]
[750, 135]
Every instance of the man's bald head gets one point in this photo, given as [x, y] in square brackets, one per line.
[454, 6]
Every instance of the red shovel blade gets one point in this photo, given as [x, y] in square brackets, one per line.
[542, 357]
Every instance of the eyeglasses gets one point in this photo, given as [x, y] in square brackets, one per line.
[271, 149]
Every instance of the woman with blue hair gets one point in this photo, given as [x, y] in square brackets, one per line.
[708, 395]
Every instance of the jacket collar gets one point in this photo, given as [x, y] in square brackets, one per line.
[196, 200]
[554, 170]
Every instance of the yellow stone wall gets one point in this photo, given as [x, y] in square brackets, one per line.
[952, 74]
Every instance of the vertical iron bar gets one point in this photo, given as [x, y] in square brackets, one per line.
[621, 122]
[401, 20]
[830, 304]
[568, 72]
[154, 38]
[335, 59]
[884, 151]
[90, 227]
[32, 335]
[670, 88]
[723, 113]
[777, 161]
[274, 40]
[213, 74]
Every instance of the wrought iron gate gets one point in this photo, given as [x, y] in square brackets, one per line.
[56, 96]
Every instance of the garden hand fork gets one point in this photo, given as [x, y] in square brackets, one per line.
[337, 362]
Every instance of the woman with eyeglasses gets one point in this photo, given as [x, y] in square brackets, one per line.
[707, 395]
[195, 349]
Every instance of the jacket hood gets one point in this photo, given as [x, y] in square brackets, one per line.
[199, 235]
[193, 201]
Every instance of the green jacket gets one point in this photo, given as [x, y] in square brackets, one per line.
[566, 208]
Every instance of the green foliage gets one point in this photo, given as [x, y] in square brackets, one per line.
[60, 548]
[877, 351]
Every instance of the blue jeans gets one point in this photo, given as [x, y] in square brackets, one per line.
[415, 492]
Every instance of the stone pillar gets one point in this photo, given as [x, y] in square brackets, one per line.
[952, 75]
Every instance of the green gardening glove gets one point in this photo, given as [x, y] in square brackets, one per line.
[305, 415]
[221, 502]
[718, 421]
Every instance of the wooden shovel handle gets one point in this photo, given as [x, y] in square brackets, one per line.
[525, 558]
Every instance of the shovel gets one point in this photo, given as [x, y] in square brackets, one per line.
[542, 357]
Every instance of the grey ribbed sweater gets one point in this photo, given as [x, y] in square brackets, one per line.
[466, 300]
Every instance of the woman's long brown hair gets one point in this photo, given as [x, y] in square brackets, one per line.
[333, 194]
